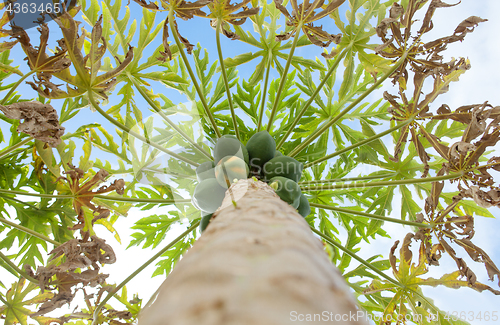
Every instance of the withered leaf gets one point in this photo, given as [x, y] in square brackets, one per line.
[151, 5]
[468, 25]
[37, 57]
[392, 257]
[86, 67]
[460, 148]
[495, 163]
[40, 121]
[441, 149]
[58, 301]
[224, 11]
[482, 198]
[487, 140]
[189, 46]
[4, 46]
[432, 201]
[406, 252]
[396, 10]
[167, 53]
[427, 22]
[319, 37]
[424, 157]
[402, 138]
[305, 13]
[79, 254]
[478, 255]
[84, 194]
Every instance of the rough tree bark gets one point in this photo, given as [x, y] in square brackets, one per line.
[257, 263]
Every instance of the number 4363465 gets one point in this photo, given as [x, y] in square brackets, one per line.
[472, 316]
[32, 8]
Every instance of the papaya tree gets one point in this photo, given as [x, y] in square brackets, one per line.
[269, 143]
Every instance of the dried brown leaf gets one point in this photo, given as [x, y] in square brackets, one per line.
[40, 121]
[427, 22]
[406, 252]
[84, 194]
[402, 138]
[441, 149]
[424, 157]
[143, 3]
[460, 148]
[396, 10]
[468, 25]
[432, 201]
[488, 139]
[4, 46]
[392, 257]
[37, 57]
[304, 13]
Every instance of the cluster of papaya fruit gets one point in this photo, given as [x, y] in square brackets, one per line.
[234, 161]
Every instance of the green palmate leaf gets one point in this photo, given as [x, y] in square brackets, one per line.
[16, 310]
[153, 230]
[86, 66]
[361, 270]
[350, 176]
[171, 256]
[348, 79]
[358, 33]
[241, 59]
[269, 48]
[409, 208]
[352, 240]
[409, 274]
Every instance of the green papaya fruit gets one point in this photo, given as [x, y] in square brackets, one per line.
[209, 195]
[229, 136]
[205, 220]
[304, 208]
[283, 166]
[286, 189]
[205, 170]
[230, 168]
[278, 154]
[228, 146]
[261, 148]
[296, 203]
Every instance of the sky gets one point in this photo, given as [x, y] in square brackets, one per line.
[476, 86]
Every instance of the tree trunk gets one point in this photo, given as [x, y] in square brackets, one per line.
[256, 264]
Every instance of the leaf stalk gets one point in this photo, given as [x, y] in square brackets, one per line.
[29, 231]
[381, 183]
[142, 267]
[99, 196]
[371, 216]
[264, 92]
[313, 96]
[327, 125]
[191, 73]
[18, 270]
[359, 144]
[10, 149]
[356, 257]
[136, 135]
[224, 77]
[283, 78]
[17, 85]
[340, 180]
[166, 119]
